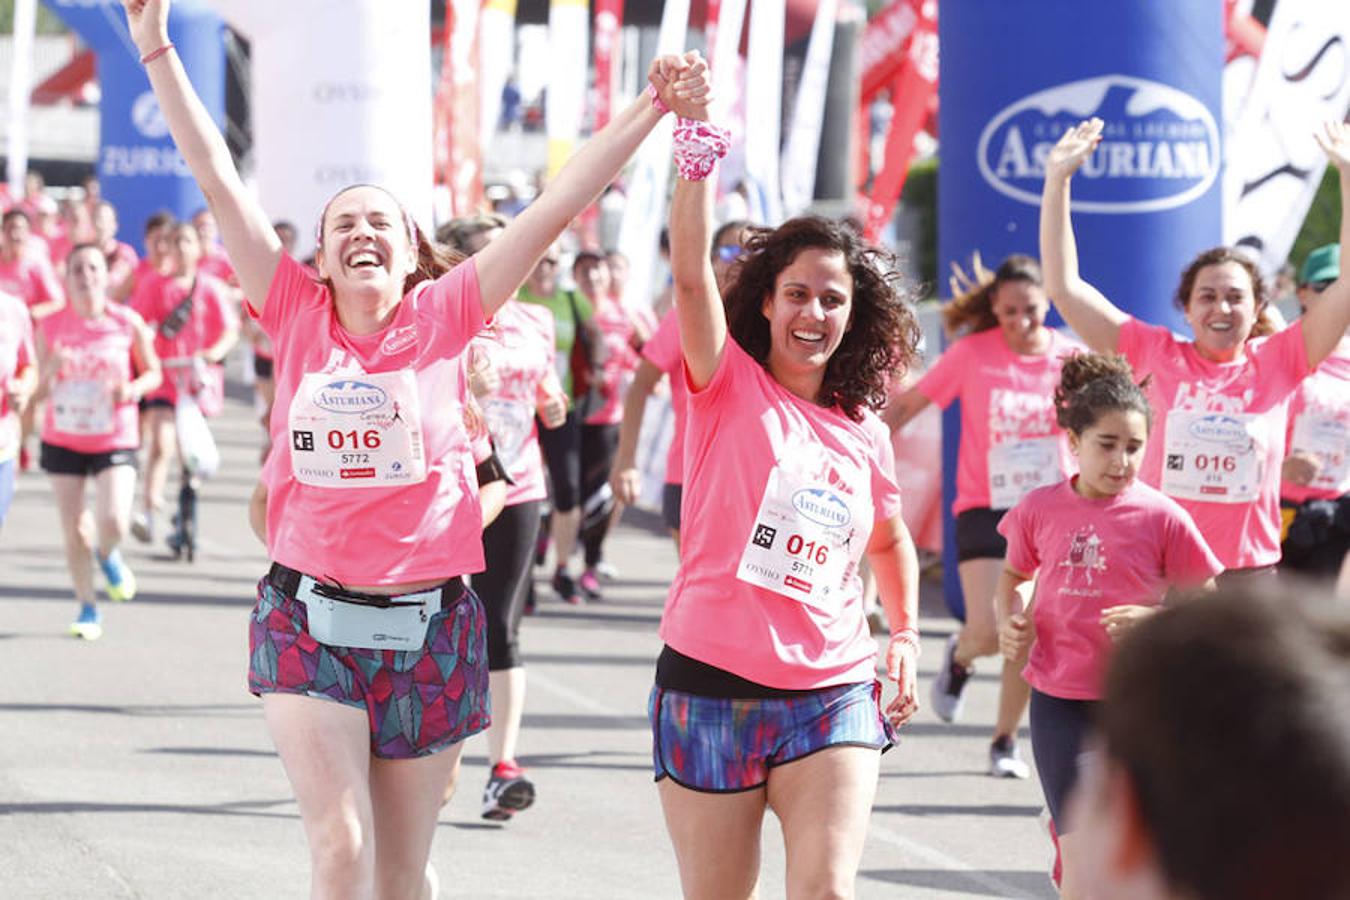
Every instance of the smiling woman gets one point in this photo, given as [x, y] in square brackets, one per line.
[373, 673]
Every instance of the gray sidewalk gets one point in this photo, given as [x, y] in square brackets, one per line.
[138, 765]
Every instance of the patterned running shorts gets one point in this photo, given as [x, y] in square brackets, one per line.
[417, 702]
[722, 746]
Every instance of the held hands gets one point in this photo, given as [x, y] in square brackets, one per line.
[148, 21]
[1334, 139]
[1015, 637]
[1300, 468]
[1121, 620]
[902, 667]
[1073, 149]
[683, 83]
[626, 483]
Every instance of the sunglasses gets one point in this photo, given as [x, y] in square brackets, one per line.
[1318, 287]
[729, 253]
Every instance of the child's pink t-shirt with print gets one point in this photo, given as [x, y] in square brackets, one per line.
[664, 352]
[16, 354]
[1010, 442]
[1319, 426]
[519, 346]
[1218, 432]
[81, 411]
[372, 532]
[747, 434]
[621, 360]
[1088, 555]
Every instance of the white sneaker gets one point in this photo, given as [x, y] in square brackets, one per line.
[949, 684]
[1005, 761]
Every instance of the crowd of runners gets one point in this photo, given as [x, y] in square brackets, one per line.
[1130, 504]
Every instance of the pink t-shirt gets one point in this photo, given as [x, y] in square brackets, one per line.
[215, 263]
[16, 354]
[621, 360]
[375, 534]
[746, 432]
[211, 315]
[664, 352]
[122, 261]
[81, 413]
[1220, 427]
[1010, 441]
[31, 279]
[1319, 425]
[144, 281]
[519, 344]
[1088, 555]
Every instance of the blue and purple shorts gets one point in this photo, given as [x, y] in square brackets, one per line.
[417, 701]
[721, 745]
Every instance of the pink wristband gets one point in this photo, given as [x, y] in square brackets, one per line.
[156, 54]
[657, 103]
[698, 147]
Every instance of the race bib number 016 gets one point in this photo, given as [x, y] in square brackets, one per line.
[357, 430]
[1328, 441]
[1214, 457]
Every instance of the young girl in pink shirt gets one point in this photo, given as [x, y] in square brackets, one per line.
[1004, 370]
[1223, 397]
[767, 682]
[1104, 548]
[365, 645]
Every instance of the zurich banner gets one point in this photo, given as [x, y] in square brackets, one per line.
[139, 169]
[1013, 77]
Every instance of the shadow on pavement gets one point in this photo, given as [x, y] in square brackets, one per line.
[1028, 884]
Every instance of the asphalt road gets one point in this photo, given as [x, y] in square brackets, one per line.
[138, 765]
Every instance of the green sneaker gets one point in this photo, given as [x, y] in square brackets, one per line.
[121, 581]
[89, 625]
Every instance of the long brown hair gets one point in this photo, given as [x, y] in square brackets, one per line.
[971, 308]
[433, 260]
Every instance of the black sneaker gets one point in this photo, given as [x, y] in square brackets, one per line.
[508, 791]
[566, 588]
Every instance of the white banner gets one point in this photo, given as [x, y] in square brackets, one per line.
[338, 99]
[496, 58]
[808, 114]
[645, 211]
[20, 89]
[569, 27]
[1274, 166]
[764, 104]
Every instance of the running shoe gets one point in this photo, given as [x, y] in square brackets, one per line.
[508, 791]
[143, 527]
[589, 582]
[121, 581]
[949, 684]
[1005, 761]
[565, 586]
[606, 570]
[89, 624]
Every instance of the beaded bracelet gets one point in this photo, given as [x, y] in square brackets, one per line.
[698, 146]
[657, 103]
[910, 637]
[156, 54]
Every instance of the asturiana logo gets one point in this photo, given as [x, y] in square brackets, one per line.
[1220, 429]
[349, 396]
[1159, 149]
[822, 507]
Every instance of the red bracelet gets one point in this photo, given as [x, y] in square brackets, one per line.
[657, 103]
[156, 54]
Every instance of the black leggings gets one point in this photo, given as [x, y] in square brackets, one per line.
[561, 447]
[508, 549]
[599, 444]
[1058, 728]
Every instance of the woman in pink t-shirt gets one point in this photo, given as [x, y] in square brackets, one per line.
[1003, 370]
[97, 362]
[1104, 548]
[366, 647]
[1223, 397]
[767, 682]
[195, 326]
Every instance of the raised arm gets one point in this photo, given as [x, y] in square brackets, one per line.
[249, 239]
[1327, 320]
[504, 264]
[1096, 319]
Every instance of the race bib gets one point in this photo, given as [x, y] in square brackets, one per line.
[1017, 467]
[357, 430]
[1212, 456]
[82, 406]
[509, 424]
[807, 538]
[1327, 440]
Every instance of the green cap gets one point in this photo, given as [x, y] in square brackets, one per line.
[1323, 264]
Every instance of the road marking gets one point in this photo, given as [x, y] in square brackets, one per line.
[936, 857]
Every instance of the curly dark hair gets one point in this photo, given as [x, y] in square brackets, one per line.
[1094, 383]
[883, 337]
[1217, 256]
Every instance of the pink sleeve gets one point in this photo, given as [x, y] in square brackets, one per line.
[223, 316]
[49, 287]
[663, 349]
[291, 285]
[1139, 341]
[887, 501]
[1018, 526]
[733, 359]
[1281, 362]
[942, 383]
[1187, 559]
[454, 307]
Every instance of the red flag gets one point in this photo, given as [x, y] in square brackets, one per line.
[883, 43]
[608, 23]
[458, 153]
